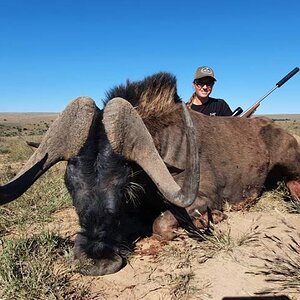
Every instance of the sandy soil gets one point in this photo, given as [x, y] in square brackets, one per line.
[188, 269]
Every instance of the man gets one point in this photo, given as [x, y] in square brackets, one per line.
[200, 101]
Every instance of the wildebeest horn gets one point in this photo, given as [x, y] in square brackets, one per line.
[129, 137]
[63, 140]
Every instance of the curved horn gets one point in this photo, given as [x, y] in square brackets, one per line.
[63, 140]
[129, 137]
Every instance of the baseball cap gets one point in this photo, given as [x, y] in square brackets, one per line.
[204, 71]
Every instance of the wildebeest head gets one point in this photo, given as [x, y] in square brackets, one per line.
[123, 129]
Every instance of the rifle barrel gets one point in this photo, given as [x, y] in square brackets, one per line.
[267, 94]
[278, 84]
[258, 101]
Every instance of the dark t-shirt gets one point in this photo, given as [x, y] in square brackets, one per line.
[213, 107]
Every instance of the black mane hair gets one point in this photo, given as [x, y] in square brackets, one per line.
[151, 95]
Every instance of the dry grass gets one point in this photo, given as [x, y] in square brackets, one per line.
[221, 239]
[25, 124]
[179, 278]
[37, 205]
[37, 268]
[278, 199]
[46, 196]
[281, 263]
[27, 263]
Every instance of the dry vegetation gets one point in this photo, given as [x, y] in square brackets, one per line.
[16, 124]
[252, 253]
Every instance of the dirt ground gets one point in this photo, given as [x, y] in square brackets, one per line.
[229, 265]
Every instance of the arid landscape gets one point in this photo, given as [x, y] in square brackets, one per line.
[253, 253]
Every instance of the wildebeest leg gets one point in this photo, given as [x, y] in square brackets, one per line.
[165, 226]
[294, 188]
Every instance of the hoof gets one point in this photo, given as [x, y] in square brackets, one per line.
[294, 188]
[201, 221]
[165, 226]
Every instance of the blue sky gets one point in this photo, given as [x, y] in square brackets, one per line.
[53, 51]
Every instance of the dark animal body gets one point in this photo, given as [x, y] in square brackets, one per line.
[110, 152]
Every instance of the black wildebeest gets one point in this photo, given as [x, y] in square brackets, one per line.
[146, 140]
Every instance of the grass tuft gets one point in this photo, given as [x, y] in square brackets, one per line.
[276, 199]
[281, 265]
[222, 240]
[46, 196]
[179, 277]
[29, 269]
[294, 207]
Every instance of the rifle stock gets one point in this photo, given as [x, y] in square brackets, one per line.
[250, 111]
[237, 112]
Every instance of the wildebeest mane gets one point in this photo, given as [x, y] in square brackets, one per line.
[153, 96]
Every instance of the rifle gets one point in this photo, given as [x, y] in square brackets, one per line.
[250, 111]
[237, 112]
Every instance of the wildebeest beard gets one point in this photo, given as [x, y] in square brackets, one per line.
[94, 179]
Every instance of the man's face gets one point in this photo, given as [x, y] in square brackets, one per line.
[203, 87]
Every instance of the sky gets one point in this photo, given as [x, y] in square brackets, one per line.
[54, 51]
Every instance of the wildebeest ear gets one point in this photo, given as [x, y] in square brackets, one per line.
[63, 140]
[33, 144]
[129, 137]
